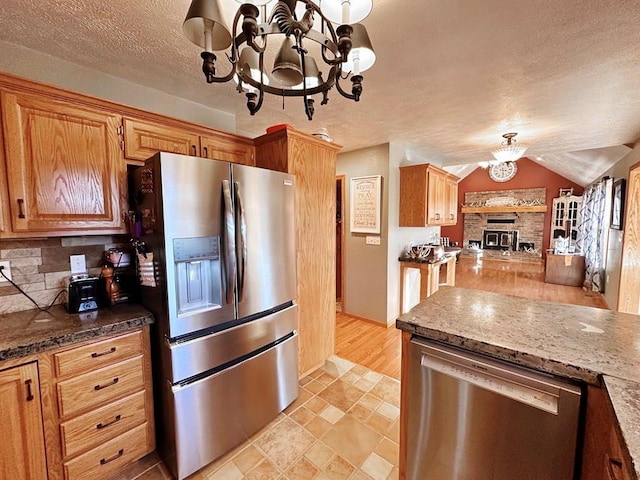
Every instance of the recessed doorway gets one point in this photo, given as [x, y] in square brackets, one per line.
[340, 184]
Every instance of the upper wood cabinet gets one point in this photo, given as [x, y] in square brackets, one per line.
[142, 139]
[64, 169]
[428, 196]
[22, 453]
[227, 148]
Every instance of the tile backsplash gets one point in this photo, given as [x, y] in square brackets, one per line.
[41, 267]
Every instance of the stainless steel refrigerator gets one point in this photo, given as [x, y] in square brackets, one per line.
[218, 272]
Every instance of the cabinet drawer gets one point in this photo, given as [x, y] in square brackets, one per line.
[108, 458]
[93, 388]
[98, 354]
[98, 426]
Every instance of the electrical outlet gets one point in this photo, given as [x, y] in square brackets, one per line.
[6, 269]
[78, 264]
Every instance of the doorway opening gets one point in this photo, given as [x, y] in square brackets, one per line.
[340, 184]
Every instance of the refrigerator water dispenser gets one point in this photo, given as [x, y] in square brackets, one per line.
[197, 267]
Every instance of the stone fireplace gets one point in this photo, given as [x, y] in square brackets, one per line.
[500, 229]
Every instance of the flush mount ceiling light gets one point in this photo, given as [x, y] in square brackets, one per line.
[307, 38]
[509, 151]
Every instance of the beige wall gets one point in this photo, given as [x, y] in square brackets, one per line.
[614, 248]
[371, 272]
[36, 66]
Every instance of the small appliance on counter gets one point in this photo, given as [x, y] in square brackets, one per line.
[82, 293]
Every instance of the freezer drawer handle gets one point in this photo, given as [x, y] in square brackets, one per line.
[104, 461]
[96, 354]
[101, 425]
[112, 382]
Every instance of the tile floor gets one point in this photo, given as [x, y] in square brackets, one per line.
[343, 426]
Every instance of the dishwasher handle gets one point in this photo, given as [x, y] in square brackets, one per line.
[480, 376]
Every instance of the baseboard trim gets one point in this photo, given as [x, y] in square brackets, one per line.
[369, 320]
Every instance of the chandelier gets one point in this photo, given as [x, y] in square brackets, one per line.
[509, 151]
[305, 36]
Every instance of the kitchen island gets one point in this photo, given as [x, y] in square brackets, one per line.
[596, 347]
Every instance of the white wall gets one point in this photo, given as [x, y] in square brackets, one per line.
[36, 66]
[614, 250]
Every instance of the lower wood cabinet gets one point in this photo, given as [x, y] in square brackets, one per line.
[104, 405]
[22, 448]
[603, 457]
[80, 412]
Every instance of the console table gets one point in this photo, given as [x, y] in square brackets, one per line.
[564, 269]
[429, 276]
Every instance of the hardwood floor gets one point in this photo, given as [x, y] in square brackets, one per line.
[378, 348]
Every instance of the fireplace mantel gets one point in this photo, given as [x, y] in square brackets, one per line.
[506, 209]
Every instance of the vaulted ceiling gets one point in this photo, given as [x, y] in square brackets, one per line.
[450, 77]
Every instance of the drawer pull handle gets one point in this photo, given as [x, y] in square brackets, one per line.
[112, 382]
[104, 461]
[96, 354]
[206, 152]
[29, 392]
[101, 425]
[193, 150]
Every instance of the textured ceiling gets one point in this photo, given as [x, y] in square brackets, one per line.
[450, 78]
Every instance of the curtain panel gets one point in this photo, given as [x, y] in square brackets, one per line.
[592, 233]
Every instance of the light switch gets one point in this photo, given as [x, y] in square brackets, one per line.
[371, 240]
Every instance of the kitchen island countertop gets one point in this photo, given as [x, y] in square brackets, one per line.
[597, 346]
[32, 331]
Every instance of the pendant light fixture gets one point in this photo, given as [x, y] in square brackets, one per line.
[307, 38]
[509, 151]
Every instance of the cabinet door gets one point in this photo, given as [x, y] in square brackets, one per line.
[227, 149]
[22, 455]
[64, 166]
[436, 199]
[143, 139]
[451, 202]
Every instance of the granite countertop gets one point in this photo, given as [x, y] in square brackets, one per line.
[32, 331]
[597, 346]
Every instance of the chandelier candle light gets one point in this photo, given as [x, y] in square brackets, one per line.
[307, 35]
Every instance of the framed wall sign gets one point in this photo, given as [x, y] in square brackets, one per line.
[617, 205]
[365, 204]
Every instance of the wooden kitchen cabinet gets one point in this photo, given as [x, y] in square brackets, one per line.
[603, 455]
[142, 139]
[64, 169]
[451, 200]
[313, 162]
[228, 148]
[22, 450]
[104, 405]
[428, 196]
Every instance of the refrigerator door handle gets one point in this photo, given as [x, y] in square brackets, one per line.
[229, 241]
[242, 251]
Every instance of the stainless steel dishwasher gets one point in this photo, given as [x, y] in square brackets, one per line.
[475, 418]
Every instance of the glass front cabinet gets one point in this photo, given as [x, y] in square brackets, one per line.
[565, 220]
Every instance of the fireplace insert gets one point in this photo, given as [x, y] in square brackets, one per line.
[500, 239]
